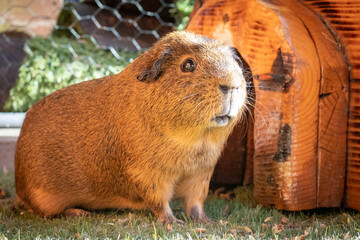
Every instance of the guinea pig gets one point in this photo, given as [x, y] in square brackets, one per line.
[137, 139]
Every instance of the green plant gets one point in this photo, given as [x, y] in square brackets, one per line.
[181, 12]
[52, 64]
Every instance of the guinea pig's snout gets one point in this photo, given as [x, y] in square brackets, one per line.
[233, 99]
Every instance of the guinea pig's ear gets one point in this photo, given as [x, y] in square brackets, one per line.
[242, 63]
[152, 73]
[246, 71]
[238, 58]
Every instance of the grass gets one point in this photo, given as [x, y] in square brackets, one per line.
[238, 218]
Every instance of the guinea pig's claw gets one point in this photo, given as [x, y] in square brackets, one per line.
[171, 220]
[180, 222]
[75, 212]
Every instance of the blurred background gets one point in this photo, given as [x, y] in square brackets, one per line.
[46, 45]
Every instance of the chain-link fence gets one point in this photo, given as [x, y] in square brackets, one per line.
[67, 41]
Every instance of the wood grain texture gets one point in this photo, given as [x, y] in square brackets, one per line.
[333, 105]
[300, 80]
[280, 178]
[344, 17]
[292, 157]
[352, 197]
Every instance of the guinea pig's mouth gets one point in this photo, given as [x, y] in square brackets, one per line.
[222, 120]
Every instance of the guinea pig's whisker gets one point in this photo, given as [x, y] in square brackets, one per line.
[243, 118]
[213, 112]
[197, 105]
[249, 112]
[247, 115]
[247, 72]
[260, 113]
[262, 105]
[200, 118]
[197, 84]
[257, 87]
[188, 96]
[205, 113]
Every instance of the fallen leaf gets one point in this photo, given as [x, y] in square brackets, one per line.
[307, 231]
[276, 229]
[245, 229]
[347, 236]
[262, 234]
[265, 226]
[225, 196]
[248, 230]
[233, 232]
[200, 230]
[322, 225]
[223, 222]
[2, 193]
[219, 190]
[284, 220]
[123, 220]
[77, 235]
[281, 227]
[348, 221]
[267, 219]
[169, 227]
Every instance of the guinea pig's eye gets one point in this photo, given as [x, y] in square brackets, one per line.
[188, 65]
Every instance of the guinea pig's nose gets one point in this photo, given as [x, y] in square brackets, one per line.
[224, 88]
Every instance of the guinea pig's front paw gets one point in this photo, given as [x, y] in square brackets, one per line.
[170, 219]
[198, 215]
[75, 212]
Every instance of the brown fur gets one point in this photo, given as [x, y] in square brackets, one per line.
[133, 140]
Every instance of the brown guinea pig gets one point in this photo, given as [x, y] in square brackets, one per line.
[137, 139]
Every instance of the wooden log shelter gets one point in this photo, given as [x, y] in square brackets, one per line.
[302, 148]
